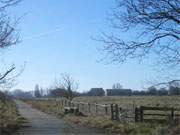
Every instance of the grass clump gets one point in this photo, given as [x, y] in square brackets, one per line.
[115, 127]
[10, 119]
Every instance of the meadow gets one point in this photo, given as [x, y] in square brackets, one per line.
[129, 101]
[53, 106]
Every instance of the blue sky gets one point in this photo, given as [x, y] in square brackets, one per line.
[56, 38]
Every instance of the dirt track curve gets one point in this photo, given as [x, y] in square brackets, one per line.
[41, 123]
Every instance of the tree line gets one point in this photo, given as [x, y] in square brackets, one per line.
[151, 91]
[66, 87]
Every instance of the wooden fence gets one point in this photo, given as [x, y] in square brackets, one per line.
[144, 113]
[88, 108]
[136, 114]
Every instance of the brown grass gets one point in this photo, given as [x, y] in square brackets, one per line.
[129, 101]
[130, 128]
[10, 120]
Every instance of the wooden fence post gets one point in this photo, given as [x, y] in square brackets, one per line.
[96, 108]
[112, 112]
[57, 107]
[141, 114]
[116, 112]
[106, 109]
[136, 114]
[89, 107]
[65, 101]
[134, 106]
[172, 113]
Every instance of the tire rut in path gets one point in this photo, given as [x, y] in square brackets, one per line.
[41, 123]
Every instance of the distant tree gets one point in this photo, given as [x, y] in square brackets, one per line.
[170, 86]
[162, 92]
[117, 86]
[152, 91]
[143, 93]
[58, 92]
[41, 92]
[21, 94]
[96, 92]
[67, 83]
[37, 92]
[173, 90]
[136, 92]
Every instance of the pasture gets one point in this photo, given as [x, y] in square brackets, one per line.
[130, 101]
[99, 119]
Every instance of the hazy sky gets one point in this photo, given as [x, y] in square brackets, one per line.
[56, 38]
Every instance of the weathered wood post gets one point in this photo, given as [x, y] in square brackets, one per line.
[112, 112]
[89, 107]
[96, 108]
[172, 113]
[134, 106]
[57, 106]
[65, 102]
[136, 114]
[141, 113]
[116, 112]
[106, 109]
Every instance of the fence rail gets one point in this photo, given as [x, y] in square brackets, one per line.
[155, 113]
[115, 112]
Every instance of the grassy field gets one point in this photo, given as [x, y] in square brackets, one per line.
[10, 120]
[129, 128]
[129, 101]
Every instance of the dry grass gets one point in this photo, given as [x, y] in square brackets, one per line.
[130, 128]
[98, 122]
[10, 119]
[115, 127]
[129, 101]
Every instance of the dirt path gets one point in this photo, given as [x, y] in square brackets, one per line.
[44, 124]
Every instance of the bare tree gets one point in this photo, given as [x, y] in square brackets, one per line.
[8, 34]
[117, 86]
[67, 83]
[156, 28]
[8, 79]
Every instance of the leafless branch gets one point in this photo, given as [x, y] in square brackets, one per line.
[166, 83]
[156, 26]
[6, 73]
